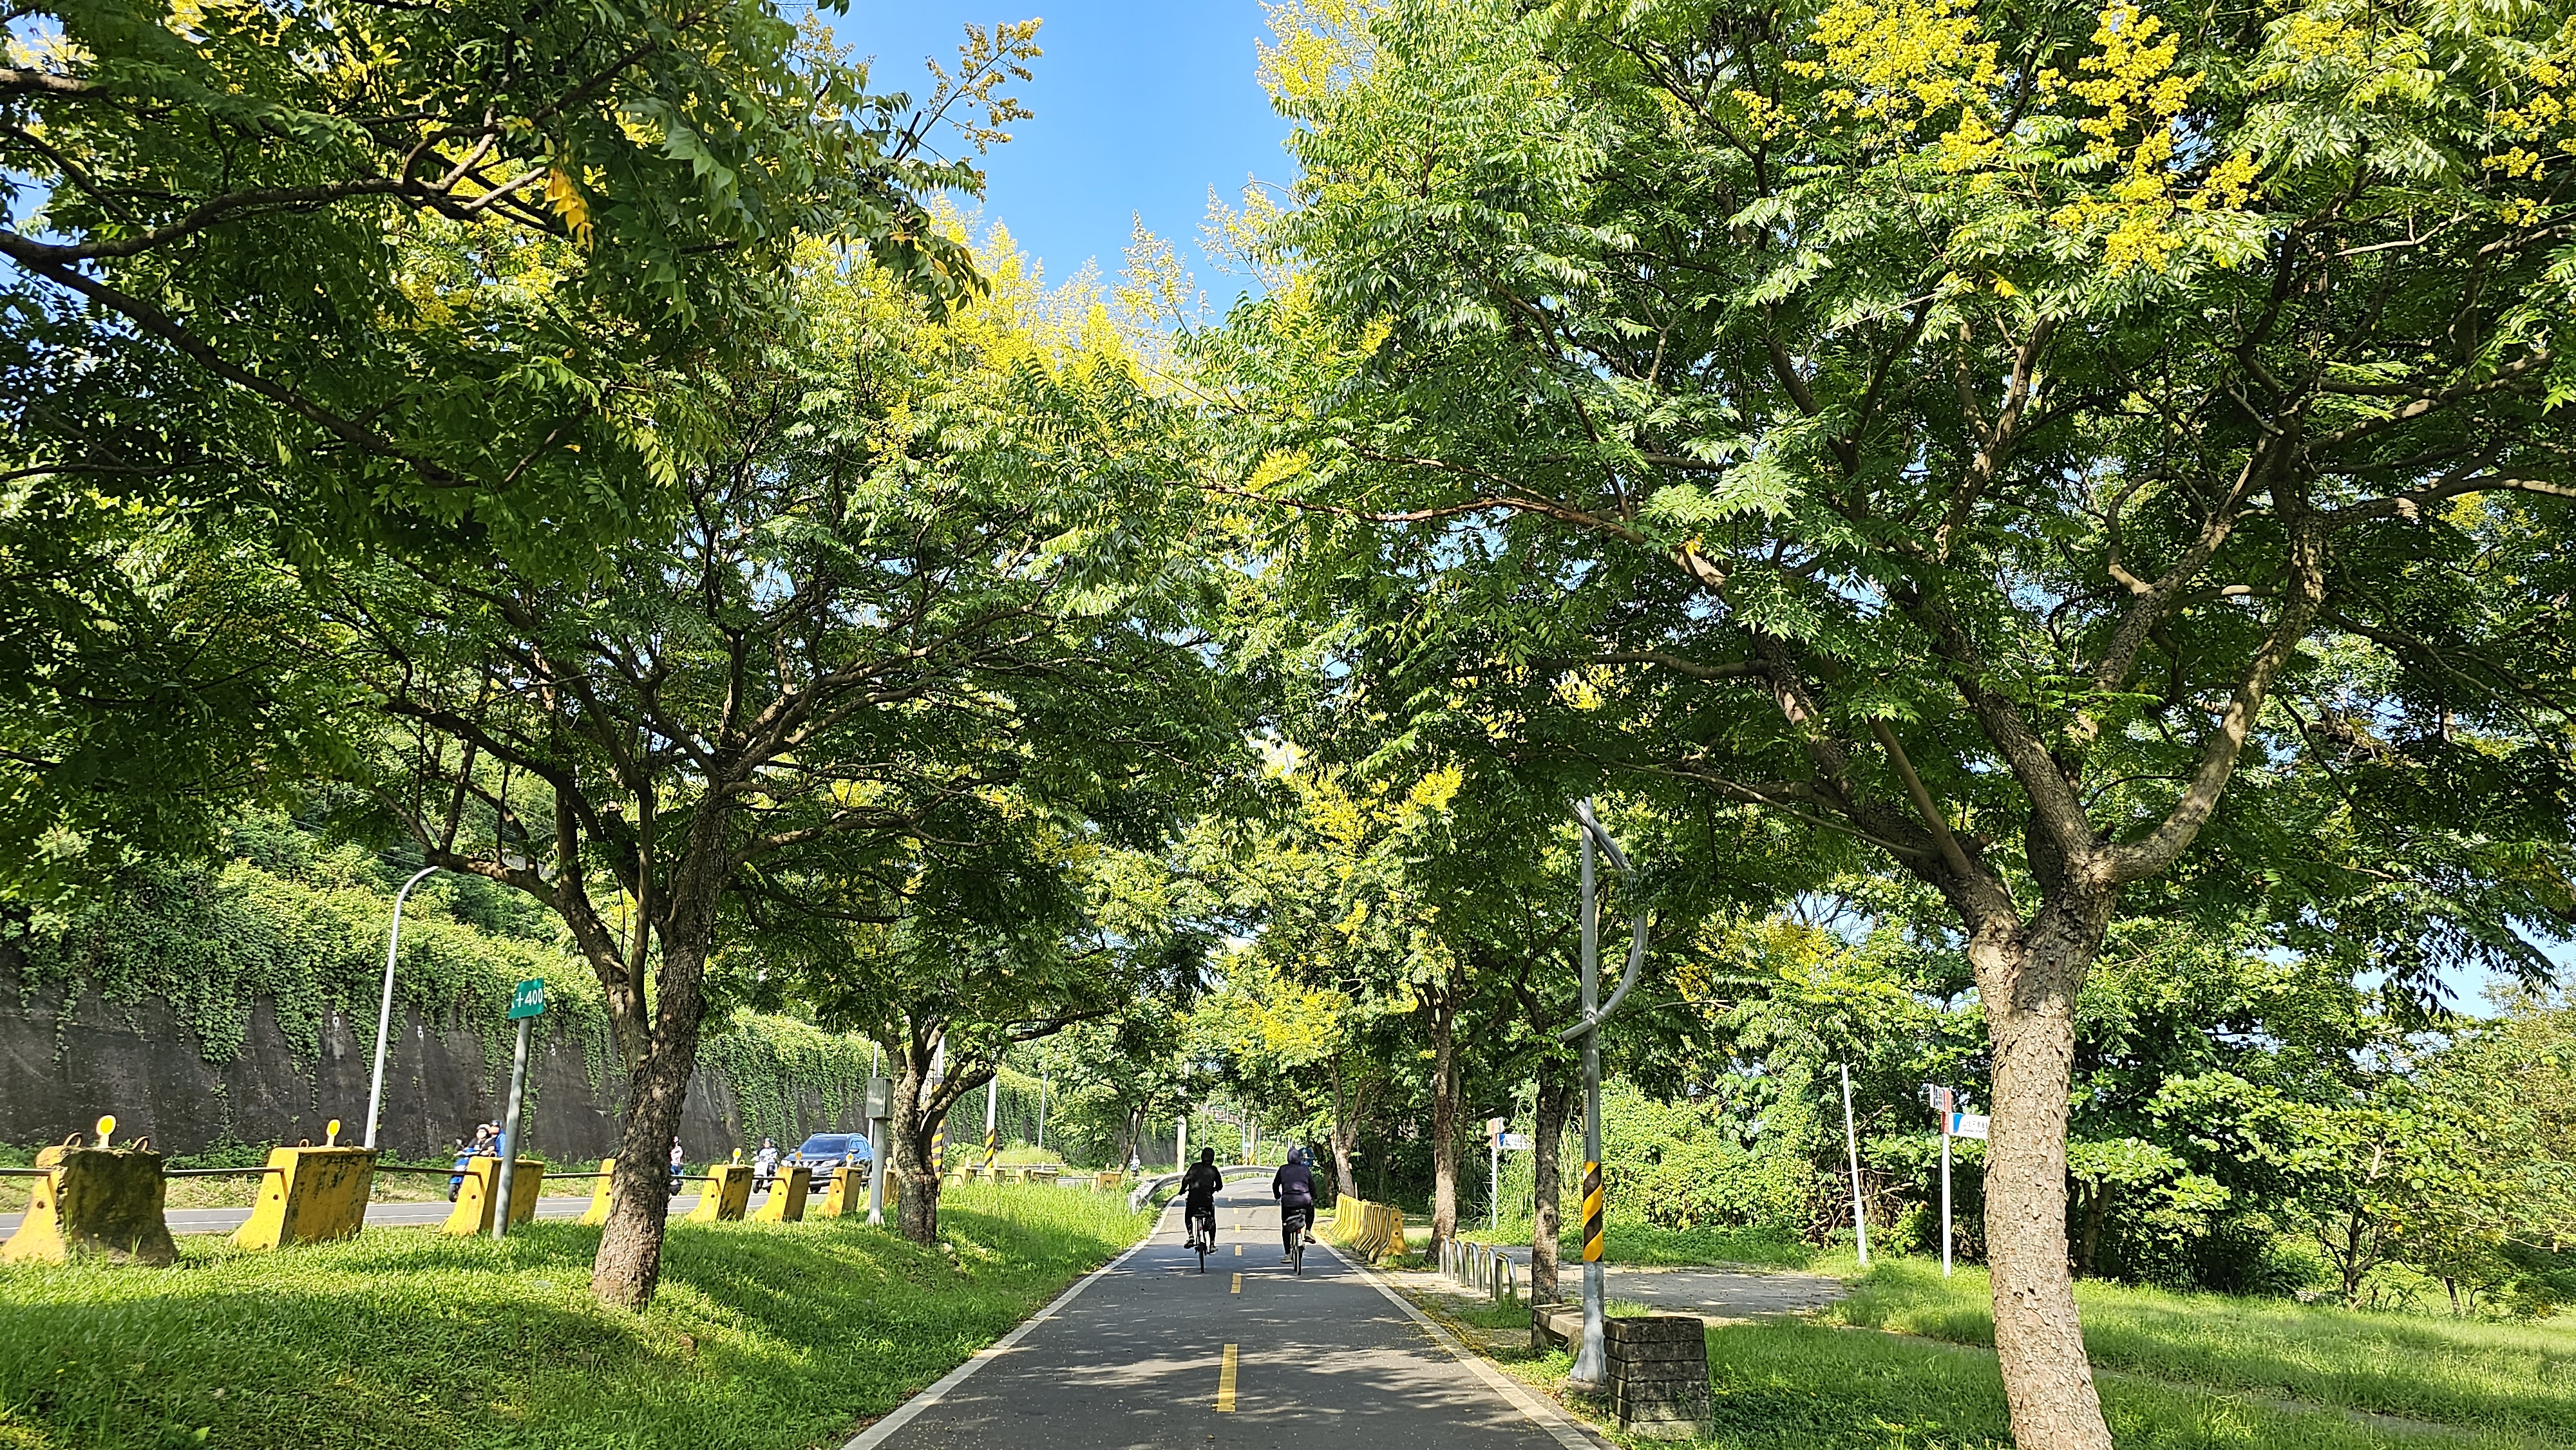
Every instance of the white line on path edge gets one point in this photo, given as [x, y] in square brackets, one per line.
[878, 1433]
[1559, 1426]
[1561, 1429]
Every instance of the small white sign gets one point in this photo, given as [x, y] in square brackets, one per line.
[1517, 1143]
[1942, 1099]
[1968, 1125]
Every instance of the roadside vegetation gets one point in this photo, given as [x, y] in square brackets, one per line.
[763, 1335]
[1906, 1363]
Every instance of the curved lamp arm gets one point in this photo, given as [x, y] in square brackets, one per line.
[1637, 933]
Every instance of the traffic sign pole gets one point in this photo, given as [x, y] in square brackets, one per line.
[1851, 1145]
[527, 1003]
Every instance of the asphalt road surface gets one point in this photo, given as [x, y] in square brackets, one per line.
[1141, 1358]
[397, 1215]
[1720, 1295]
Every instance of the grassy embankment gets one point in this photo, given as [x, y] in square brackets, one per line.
[2179, 1372]
[763, 1335]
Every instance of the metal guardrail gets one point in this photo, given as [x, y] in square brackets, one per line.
[1481, 1267]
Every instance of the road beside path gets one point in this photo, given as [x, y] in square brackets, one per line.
[1718, 1295]
[1139, 1358]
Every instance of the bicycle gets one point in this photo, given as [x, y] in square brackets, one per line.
[1203, 1236]
[1305, 1231]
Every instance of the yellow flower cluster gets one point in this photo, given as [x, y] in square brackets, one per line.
[2135, 95]
[2542, 122]
[1920, 70]
[1905, 62]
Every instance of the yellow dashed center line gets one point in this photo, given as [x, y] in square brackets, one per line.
[1238, 1251]
[1225, 1384]
[1238, 1285]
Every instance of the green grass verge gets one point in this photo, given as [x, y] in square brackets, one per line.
[1779, 1386]
[2514, 1377]
[762, 1335]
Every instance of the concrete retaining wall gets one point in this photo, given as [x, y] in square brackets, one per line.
[139, 1063]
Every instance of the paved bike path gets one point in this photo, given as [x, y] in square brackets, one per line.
[1323, 1362]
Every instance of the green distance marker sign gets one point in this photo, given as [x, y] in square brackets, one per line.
[528, 999]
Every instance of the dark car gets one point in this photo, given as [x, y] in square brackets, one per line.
[826, 1152]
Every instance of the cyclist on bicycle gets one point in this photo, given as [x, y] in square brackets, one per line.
[1294, 1186]
[1198, 1193]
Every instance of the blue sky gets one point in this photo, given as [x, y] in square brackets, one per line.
[1141, 106]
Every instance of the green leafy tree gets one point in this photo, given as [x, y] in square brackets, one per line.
[318, 279]
[2071, 452]
[923, 568]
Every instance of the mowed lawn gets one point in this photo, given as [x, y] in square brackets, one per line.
[2178, 1372]
[762, 1336]
[2519, 1378]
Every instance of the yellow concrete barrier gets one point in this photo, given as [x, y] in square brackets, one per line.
[480, 1193]
[600, 1196]
[787, 1190]
[309, 1195]
[843, 1194]
[99, 1201]
[727, 1193]
[1375, 1230]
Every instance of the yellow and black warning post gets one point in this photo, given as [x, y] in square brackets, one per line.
[1591, 1213]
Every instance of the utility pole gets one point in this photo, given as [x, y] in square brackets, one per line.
[1591, 1365]
[1851, 1145]
[1181, 1145]
[1042, 1097]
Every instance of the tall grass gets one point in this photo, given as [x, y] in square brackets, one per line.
[2514, 1377]
[762, 1335]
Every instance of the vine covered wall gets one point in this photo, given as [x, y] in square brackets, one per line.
[238, 1003]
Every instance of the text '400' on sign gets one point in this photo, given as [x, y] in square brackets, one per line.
[528, 999]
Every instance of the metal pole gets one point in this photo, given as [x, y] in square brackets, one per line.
[385, 1010]
[1945, 1195]
[992, 1115]
[1181, 1144]
[876, 1170]
[1042, 1097]
[1851, 1145]
[1494, 1176]
[510, 1131]
[1590, 1366]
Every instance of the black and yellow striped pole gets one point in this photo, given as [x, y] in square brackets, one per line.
[1591, 1213]
[992, 1117]
[1591, 1365]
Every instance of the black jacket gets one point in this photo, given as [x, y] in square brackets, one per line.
[1200, 1184]
[1294, 1186]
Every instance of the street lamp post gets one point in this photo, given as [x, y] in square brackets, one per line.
[1591, 1367]
[385, 1010]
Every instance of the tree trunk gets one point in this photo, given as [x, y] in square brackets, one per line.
[1547, 1142]
[2028, 980]
[1444, 1125]
[2097, 1207]
[917, 1208]
[1346, 1132]
[629, 1263]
